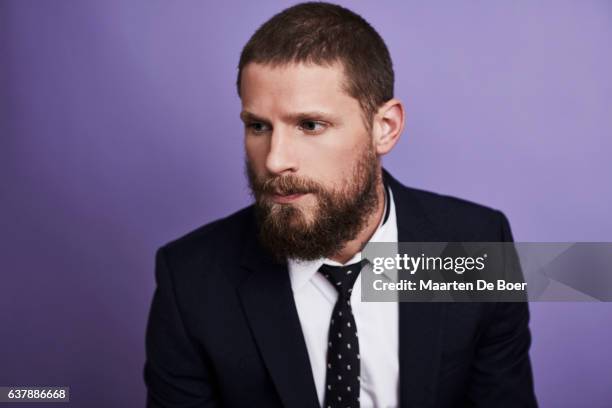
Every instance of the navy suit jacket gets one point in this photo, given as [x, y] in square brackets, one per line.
[223, 329]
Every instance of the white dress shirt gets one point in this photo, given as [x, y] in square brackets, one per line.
[377, 324]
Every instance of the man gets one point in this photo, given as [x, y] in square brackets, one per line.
[263, 308]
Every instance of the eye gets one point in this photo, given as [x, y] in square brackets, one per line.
[312, 126]
[258, 127]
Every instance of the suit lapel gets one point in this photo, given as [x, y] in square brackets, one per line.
[420, 324]
[268, 303]
[419, 355]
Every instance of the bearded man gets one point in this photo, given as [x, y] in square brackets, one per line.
[263, 308]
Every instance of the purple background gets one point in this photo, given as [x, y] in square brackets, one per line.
[119, 131]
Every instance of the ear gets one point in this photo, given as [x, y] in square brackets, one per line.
[388, 125]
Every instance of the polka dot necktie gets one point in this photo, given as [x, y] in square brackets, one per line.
[343, 368]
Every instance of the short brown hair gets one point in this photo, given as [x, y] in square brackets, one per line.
[323, 34]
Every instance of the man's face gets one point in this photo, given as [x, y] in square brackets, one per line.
[311, 163]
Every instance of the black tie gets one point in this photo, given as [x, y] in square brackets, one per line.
[343, 368]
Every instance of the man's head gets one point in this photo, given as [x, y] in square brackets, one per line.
[316, 84]
[324, 34]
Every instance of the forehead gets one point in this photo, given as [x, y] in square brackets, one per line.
[294, 86]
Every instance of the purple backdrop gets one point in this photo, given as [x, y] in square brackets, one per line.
[119, 131]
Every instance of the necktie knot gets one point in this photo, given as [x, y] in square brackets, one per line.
[342, 277]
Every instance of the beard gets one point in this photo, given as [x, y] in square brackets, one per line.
[338, 216]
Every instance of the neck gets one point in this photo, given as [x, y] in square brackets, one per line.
[355, 245]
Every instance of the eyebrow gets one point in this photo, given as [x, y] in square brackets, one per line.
[247, 116]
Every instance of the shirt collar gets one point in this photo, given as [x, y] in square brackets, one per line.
[301, 272]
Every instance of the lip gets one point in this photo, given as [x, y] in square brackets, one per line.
[277, 198]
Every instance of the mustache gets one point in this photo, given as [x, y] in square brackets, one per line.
[287, 185]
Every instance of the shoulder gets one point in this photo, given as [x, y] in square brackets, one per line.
[221, 239]
[452, 218]
[450, 208]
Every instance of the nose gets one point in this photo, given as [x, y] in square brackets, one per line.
[281, 157]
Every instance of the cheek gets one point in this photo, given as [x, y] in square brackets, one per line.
[333, 163]
[256, 151]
